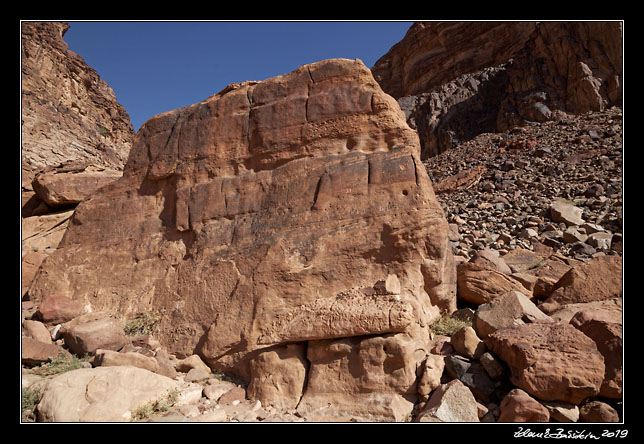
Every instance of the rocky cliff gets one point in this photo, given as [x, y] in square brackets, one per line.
[69, 114]
[455, 80]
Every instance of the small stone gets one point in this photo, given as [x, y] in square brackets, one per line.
[600, 240]
[519, 406]
[235, 394]
[529, 233]
[189, 410]
[566, 213]
[197, 375]
[215, 391]
[573, 234]
[214, 415]
[189, 395]
[451, 402]
[597, 411]
[193, 361]
[494, 367]
[562, 411]
[582, 249]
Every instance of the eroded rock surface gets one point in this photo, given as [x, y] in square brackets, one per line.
[269, 213]
[68, 111]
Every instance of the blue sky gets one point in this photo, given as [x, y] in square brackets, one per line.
[155, 67]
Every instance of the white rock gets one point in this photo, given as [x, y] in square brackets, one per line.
[215, 415]
[191, 394]
[102, 394]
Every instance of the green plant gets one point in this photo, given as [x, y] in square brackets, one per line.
[142, 323]
[61, 364]
[102, 131]
[160, 405]
[448, 325]
[30, 398]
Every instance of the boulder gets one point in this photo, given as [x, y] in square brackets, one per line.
[102, 394]
[473, 375]
[467, 343]
[431, 376]
[265, 215]
[58, 309]
[509, 309]
[197, 375]
[451, 402]
[609, 307]
[567, 213]
[597, 411]
[562, 411]
[88, 337]
[518, 406]
[109, 358]
[278, 376]
[494, 367]
[35, 352]
[606, 332]
[234, 394]
[191, 362]
[550, 361]
[216, 389]
[369, 378]
[166, 366]
[597, 280]
[70, 184]
[477, 284]
[490, 260]
[36, 330]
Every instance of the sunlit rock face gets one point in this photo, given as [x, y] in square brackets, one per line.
[290, 210]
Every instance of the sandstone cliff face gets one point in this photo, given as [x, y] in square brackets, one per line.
[69, 114]
[455, 80]
[285, 211]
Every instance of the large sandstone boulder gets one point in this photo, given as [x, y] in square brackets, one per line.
[269, 213]
[551, 361]
[72, 183]
[102, 394]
